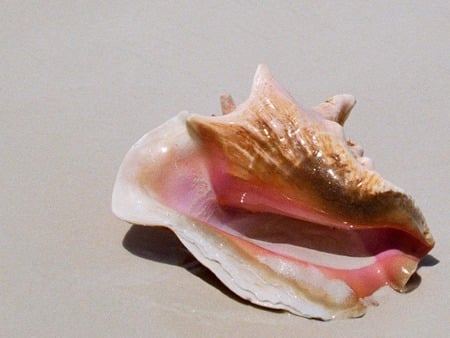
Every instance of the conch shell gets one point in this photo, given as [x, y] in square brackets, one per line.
[276, 202]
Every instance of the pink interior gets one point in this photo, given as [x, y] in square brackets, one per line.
[188, 190]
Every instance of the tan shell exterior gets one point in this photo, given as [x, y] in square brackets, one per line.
[271, 140]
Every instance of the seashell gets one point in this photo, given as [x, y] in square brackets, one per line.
[275, 201]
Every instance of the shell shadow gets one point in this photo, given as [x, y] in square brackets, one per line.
[161, 245]
[429, 260]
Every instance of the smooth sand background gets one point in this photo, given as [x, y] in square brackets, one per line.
[80, 82]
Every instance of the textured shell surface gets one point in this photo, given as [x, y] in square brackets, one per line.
[276, 202]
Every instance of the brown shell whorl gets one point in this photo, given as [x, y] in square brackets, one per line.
[271, 141]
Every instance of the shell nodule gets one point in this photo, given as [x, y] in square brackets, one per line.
[274, 200]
